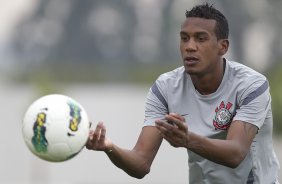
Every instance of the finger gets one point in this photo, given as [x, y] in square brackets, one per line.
[90, 137]
[97, 131]
[177, 116]
[166, 130]
[102, 135]
[89, 144]
[170, 138]
[162, 129]
[163, 123]
[177, 122]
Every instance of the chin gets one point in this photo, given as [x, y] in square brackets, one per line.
[190, 72]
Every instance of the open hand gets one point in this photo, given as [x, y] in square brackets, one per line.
[176, 132]
[97, 139]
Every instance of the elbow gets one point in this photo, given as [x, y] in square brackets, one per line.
[141, 173]
[236, 160]
[233, 164]
[144, 173]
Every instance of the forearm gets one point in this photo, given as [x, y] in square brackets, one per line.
[135, 162]
[225, 152]
[131, 161]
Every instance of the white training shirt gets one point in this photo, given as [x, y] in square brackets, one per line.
[242, 95]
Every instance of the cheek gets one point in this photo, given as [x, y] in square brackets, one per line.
[211, 51]
[182, 49]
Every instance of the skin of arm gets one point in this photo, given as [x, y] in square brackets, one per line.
[135, 162]
[229, 152]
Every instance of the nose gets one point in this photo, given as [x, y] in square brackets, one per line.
[190, 45]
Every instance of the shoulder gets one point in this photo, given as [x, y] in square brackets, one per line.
[247, 82]
[241, 74]
[168, 80]
[242, 70]
[172, 76]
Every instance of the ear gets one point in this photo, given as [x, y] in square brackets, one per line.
[223, 46]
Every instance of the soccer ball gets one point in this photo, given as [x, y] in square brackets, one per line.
[55, 128]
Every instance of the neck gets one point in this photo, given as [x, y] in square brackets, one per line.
[209, 82]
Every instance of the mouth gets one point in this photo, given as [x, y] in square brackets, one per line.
[191, 60]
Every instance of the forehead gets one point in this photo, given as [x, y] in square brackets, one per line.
[194, 24]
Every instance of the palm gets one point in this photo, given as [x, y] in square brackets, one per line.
[97, 139]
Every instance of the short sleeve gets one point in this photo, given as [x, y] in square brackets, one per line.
[156, 106]
[254, 104]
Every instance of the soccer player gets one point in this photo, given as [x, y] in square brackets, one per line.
[219, 110]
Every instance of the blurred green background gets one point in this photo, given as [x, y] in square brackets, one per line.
[275, 79]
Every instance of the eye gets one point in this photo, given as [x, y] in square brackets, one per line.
[201, 38]
[184, 38]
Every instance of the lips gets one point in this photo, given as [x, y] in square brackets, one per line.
[191, 60]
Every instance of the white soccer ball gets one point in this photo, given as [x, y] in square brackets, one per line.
[55, 128]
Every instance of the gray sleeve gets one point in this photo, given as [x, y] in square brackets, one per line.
[254, 104]
[156, 104]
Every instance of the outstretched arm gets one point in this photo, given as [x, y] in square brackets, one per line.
[229, 152]
[135, 162]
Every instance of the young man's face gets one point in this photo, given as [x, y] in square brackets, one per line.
[199, 46]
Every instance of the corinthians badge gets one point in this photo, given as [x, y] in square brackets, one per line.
[223, 116]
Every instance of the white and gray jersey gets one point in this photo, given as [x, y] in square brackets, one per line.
[242, 95]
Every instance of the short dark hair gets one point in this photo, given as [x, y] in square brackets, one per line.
[207, 11]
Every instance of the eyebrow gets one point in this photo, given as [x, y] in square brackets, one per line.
[183, 33]
[201, 33]
[196, 33]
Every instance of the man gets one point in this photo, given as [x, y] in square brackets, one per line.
[219, 110]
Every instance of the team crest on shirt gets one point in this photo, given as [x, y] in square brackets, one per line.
[223, 116]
